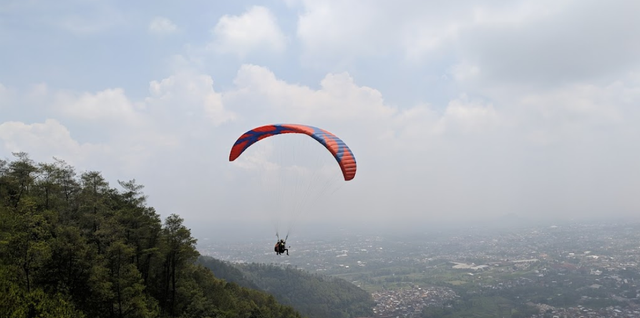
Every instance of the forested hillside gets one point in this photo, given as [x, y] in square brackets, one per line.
[312, 295]
[72, 246]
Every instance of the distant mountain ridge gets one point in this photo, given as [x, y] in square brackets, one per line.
[314, 296]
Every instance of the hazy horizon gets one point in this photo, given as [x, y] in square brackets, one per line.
[259, 232]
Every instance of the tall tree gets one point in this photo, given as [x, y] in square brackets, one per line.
[21, 177]
[179, 251]
[69, 187]
[94, 204]
[27, 246]
[141, 224]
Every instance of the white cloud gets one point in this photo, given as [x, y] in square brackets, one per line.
[261, 97]
[554, 43]
[465, 72]
[344, 31]
[464, 117]
[162, 26]
[188, 96]
[113, 128]
[46, 140]
[108, 105]
[422, 39]
[579, 112]
[256, 29]
[339, 99]
[530, 42]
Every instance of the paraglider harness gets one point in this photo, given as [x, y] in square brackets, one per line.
[280, 247]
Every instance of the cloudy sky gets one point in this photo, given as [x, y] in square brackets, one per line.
[455, 110]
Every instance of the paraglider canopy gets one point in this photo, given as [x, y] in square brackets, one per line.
[331, 142]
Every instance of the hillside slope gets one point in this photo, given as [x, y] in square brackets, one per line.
[72, 246]
[312, 295]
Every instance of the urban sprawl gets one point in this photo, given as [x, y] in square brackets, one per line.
[569, 270]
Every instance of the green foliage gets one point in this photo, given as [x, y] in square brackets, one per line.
[17, 302]
[312, 295]
[75, 247]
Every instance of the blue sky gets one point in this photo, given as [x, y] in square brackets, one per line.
[455, 110]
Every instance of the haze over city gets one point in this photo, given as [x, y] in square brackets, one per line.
[480, 112]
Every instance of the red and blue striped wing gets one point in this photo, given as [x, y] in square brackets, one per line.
[340, 151]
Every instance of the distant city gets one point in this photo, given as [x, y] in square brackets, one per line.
[576, 270]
